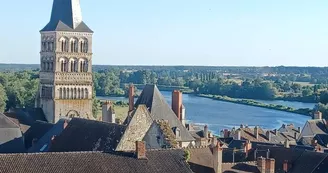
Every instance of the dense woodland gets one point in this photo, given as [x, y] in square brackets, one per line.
[19, 83]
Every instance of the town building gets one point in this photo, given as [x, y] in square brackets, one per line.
[66, 85]
[138, 161]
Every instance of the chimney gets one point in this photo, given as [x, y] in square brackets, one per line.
[239, 134]
[206, 131]
[217, 158]
[261, 164]
[226, 133]
[270, 166]
[183, 115]
[141, 150]
[268, 154]
[286, 144]
[214, 141]
[247, 146]
[314, 143]
[268, 135]
[299, 129]
[256, 132]
[177, 103]
[285, 166]
[108, 114]
[242, 126]
[317, 115]
[131, 97]
[295, 135]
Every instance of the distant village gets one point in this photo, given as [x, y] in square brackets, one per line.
[60, 134]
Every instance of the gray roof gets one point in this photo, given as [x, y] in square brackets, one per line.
[66, 16]
[42, 145]
[160, 110]
[11, 140]
[88, 135]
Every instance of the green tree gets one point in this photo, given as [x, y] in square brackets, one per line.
[3, 98]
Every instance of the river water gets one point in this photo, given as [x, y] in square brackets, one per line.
[219, 115]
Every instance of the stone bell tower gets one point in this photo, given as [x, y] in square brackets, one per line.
[66, 64]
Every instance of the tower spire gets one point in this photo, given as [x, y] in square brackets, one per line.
[66, 15]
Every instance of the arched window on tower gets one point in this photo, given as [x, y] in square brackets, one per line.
[75, 93]
[64, 93]
[72, 93]
[78, 93]
[86, 93]
[60, 93]
[67, 93]
[82, 93]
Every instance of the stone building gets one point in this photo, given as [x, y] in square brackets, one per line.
[65, 88]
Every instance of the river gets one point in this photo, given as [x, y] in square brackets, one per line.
[219, 115]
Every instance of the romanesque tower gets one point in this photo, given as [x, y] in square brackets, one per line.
[66, 64]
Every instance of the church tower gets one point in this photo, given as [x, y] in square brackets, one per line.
[66, 84]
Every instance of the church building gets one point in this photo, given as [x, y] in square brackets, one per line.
[66, 83]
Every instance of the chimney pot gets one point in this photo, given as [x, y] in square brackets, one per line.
[206, 131]
[141, 150]
[239, 134]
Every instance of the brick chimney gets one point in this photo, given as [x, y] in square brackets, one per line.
[268, 135]
[285, 166]
[256, 132]
[261, 164]
[141, 150]
[270, 166]
[206, 131]
[247, 146]
[131, 97]
[317, 115]
[217, 158]
[108, 114]
[177, 103]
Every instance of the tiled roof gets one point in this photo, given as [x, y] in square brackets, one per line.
[43, 143]
[36, 131]
[160, 110]
[158, 161]
[313, 127]
[88, 135]
[308, 162]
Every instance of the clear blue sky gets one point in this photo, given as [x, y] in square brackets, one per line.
[181, 32]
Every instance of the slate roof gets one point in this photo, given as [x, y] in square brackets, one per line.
[95, 162]
[36, 131]
[160, 110]
[242, 167]
[88, 135]
[11, 140]
[27, 116]
[66, 16]
[314, 127]
[43, 143]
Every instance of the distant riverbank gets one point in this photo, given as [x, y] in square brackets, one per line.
[305, 111]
